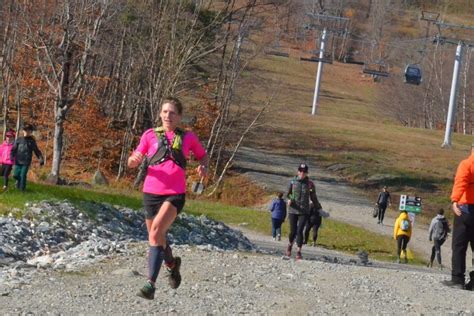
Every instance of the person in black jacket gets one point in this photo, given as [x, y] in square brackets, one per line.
[314, 222]
[22, 152]
[383, 201]
[301, 192]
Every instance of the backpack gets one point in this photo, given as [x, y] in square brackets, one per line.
[404, 225]
[439, 231]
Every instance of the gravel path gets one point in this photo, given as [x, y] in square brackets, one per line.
[344, 203]
[230, 282]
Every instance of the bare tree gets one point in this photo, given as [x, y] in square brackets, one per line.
[64, 46]
[8, 48]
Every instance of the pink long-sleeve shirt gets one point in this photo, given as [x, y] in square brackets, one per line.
[5, 150]
[167, 178]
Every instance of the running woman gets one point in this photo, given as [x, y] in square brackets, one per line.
[165, 187]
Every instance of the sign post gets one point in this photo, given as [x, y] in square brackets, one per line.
[410, 204]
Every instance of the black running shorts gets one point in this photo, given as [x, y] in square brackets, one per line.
[152, 203]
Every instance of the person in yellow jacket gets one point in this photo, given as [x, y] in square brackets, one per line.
[402, 233]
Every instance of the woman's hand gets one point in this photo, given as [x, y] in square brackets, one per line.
[135, 159]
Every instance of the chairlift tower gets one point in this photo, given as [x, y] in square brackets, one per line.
[328, 24]
[461, 43]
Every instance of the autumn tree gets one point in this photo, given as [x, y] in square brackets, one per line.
[63, 34]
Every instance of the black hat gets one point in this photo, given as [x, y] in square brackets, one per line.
[303, 167]
[28, 128]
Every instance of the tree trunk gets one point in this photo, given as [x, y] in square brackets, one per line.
[57, 143]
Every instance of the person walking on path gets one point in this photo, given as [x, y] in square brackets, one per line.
[278, 209]
[167, 149]
[462, 198]
[383, 201]
[314, 222]
[301, 192]
[22, 152]
[5, 160]
[438, 232]
[402, 233]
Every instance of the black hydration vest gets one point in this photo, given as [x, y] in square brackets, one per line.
[167, 151]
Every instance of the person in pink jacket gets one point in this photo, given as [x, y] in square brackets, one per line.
[5, 150]
[167, 149]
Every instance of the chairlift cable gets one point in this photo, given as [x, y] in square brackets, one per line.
[389, 44]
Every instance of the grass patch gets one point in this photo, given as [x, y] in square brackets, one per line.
[332, 235]
[35, 192]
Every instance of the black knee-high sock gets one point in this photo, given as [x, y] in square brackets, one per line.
[155, 259]
[168, 256]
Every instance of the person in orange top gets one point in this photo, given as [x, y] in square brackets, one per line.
[402, 233]
[462, 198]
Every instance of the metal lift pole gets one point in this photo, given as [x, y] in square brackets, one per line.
[318, 74]
[452, 96]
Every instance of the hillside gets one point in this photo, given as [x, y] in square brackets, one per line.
[350, 134]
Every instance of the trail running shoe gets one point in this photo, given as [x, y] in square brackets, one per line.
[299, 256]
[288, 251]
[147, 291]
[174, 277]
[279, 237]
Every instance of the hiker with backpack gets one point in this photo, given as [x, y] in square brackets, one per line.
[301, 192]
[278, 210]
[167, 149]
[22, 153]
[383, 201]
[402, 233]
[438, 233]
[5, 161]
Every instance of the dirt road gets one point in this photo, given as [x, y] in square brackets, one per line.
[345, 204]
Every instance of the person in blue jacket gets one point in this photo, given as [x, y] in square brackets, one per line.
[278, 209]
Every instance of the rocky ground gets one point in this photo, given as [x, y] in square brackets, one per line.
[224, 271]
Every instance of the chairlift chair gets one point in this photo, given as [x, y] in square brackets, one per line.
[316, 59]
[413, 74]
[327, 58]
[349, 59]
[376, 69]
[277, 50]
[277, 53]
